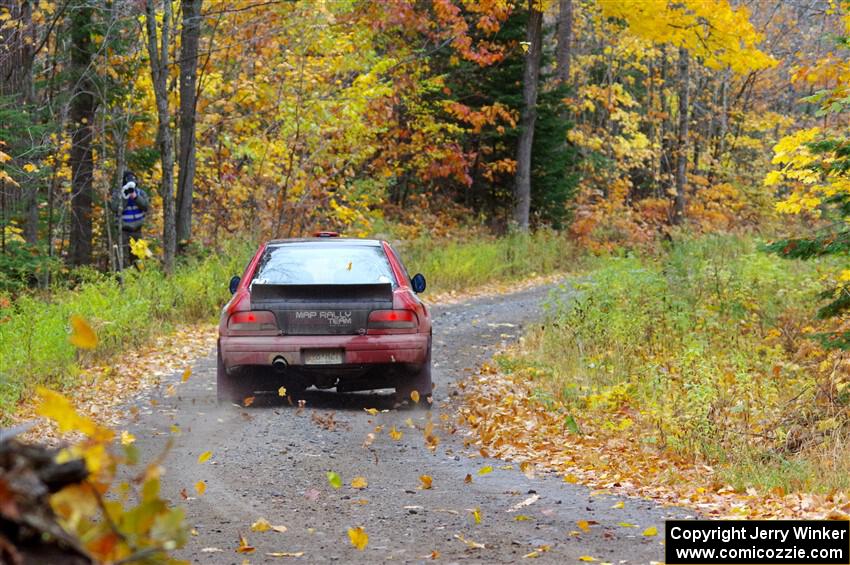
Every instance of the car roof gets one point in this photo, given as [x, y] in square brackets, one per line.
[326, 240]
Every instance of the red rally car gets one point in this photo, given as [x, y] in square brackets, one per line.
[328, 312]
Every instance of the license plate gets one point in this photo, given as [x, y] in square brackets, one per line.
[324, 356]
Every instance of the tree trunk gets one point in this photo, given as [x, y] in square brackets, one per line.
[531, 73]
[682, 142]
[565, 39]
[82, 123]
[190, 35]
[165, 141]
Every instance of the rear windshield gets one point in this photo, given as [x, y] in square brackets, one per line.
[324, 263]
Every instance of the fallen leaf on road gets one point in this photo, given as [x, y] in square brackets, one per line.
[370, 437]
[527, 469]
[170, 390]
[395, 434]
[434, 555]
[470, 543]
[537, 552]
[200, 487]
[409, 423]
[476, 515]
[586, 558]
[261, 525]
[485, 470]
[620, 504]
[127, 438]
[371, 411]
[244, 547]
[467, 479]
[521, 518]
[186, 374]
[359, 538]
[284, 554]
[248, 401]
[650, 531]
[334, 479]
[527, 502]
[82, 334]
[626, 525]
[211, 550]
[426, 481]
[570, 478]
[204, 457]
[583, 525]
[359, 482]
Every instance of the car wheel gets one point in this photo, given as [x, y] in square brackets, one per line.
[420, 381]
[231, 388]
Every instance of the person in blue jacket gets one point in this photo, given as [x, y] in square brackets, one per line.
[130, 204]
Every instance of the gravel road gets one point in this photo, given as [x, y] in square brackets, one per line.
[270, 460]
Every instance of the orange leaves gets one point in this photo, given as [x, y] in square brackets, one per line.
[359, 482]
[82, 334]
[425, 481]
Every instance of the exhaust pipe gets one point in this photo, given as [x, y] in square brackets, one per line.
[279, 363]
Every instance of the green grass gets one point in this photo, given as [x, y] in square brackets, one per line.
[704, 346]
[34, 347]
[462, 265]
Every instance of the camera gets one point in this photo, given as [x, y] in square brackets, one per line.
[128, 188]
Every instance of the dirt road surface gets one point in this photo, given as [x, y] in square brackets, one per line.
[270, 460]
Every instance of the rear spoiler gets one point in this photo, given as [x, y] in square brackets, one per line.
[318, 292]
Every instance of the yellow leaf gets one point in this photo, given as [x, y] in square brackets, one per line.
[82, 335]
[200, 488]
[59, 409]
[186, 374]
[521, 518]
[626, 525]
[583, 525]
[586, 558]
[371, 411]
[570, 478]
[620, 504]
[244, 547]
[414, 396]
[281, 391]
[395, 434]
[261, 525]
[359, 482]
[359, 538]
[470, 543]
[476, 514]
[650, 531]
[527, 469]
[334, 479]
[409, 423]
[485, 470]
[127, 438]
[30, 168]
[204, 457]
[170, 390]
[426, 481]
[248, 401]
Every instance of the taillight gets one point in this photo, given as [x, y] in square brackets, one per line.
[253, 321]
[393, 320]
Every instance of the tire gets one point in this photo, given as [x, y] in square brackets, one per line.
[230, 389]
[420, 381]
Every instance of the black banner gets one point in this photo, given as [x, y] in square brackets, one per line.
[763, 542]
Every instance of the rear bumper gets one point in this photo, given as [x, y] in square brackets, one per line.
[358, 349]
